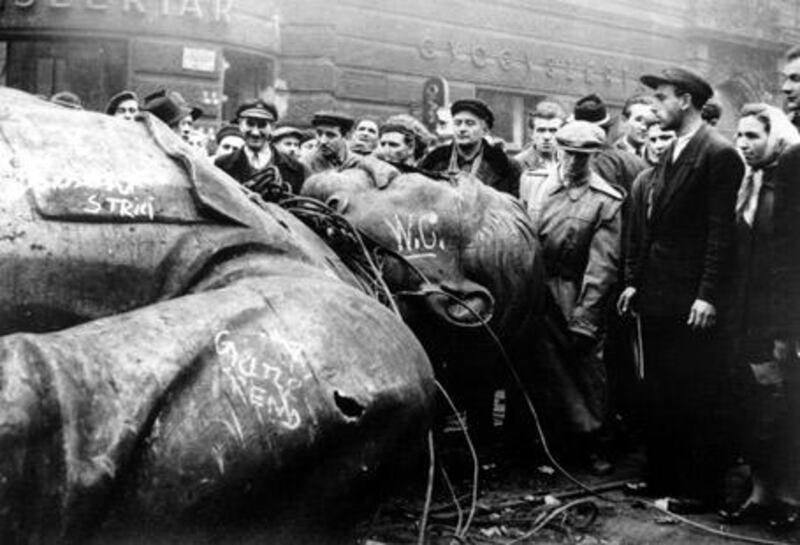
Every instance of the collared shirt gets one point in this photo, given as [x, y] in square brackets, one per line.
[258, 160]
[681, 141]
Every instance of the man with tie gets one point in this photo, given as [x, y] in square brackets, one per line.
[677, 285]
[258, 165]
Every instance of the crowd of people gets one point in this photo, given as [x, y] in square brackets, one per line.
[672, 255]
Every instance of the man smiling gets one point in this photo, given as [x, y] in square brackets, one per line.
[258, 164]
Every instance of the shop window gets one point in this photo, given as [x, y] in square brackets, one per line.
[247, 76]
[92, 69]
[510, 111]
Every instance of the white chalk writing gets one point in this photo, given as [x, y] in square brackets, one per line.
[124, 207]
[417, 234]
[264, 387]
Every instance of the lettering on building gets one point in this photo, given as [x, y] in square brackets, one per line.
[205, 10]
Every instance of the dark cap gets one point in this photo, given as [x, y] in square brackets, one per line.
[257, 108]
[227, 130]
[169, 106]
[580, 137]
[476, 107]
[284, 132]
[67, 100]
[690, 82]
[336, 119]
[118, 99]
[591, 108]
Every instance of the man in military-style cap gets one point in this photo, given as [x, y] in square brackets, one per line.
[470, 151]
[258, 165]
[577, 218]
[678, 286]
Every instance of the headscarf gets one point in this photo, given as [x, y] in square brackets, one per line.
[780, 135]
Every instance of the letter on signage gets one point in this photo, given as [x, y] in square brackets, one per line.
[164, 8]
[131, 5]
[191, 7]
[427, 49]
[99, 5]
[23, 3]
[60, 3]
[222, 10]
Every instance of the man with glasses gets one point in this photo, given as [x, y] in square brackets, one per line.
[258, 165]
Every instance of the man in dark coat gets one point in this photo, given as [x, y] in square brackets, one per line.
[677, 286]
[471, 152]
[258, 165]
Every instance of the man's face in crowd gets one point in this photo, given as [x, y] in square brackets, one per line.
[791, 84]
[544, 134]
[670, 108]
[395, 148]
[256, 131]
[330, 139]
[751, 139]
[366, 132]
[574, 165]
[228, 145]
[184, 128]
[640, 115]
[127, 109]
[308, 148]
[658, 139]
[468, 129]
[290, 145]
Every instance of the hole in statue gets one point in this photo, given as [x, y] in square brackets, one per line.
[349, 406]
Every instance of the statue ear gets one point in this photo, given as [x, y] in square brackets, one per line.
[338, 202]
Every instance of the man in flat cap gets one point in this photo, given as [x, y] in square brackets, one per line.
[576, 216]
[287, 140]
[470, 151]
[258, 165]
[616, 166]
[332, 152]
[124, 105]
[677, 284]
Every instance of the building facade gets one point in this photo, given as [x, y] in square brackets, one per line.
[373, 56]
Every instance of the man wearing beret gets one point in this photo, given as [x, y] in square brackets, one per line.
[171, 108]
[677, 284]
[470, 151]
[258, 165]
[576, 216]
[124, 105]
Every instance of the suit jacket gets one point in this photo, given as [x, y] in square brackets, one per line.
[688, 246]
[239, 168]
[496, 169]
[785, 271]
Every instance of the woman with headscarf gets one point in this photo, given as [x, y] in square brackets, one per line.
[765, 320]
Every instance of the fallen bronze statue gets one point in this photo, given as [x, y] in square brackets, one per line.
[178, 364]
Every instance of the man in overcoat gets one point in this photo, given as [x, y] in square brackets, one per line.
[471, 152]
[577, 218]
[257, 164]
[677, 285]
